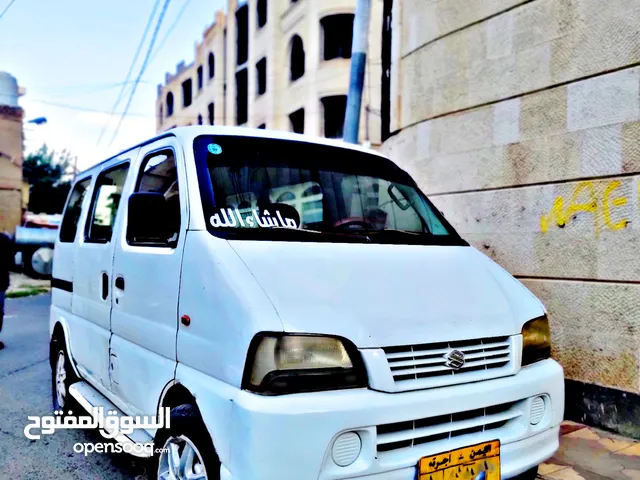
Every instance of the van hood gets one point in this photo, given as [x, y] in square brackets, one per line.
[386, 295]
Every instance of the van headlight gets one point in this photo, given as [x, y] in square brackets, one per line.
[281, 363]
[536, 340]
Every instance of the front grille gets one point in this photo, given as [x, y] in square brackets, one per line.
[394, 436]
[423, 366]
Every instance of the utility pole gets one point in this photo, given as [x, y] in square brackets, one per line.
[358, 66]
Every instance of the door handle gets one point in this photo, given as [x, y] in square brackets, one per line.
[105, 286]
[120, 283]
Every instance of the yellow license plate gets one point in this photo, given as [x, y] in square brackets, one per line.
[463, 464]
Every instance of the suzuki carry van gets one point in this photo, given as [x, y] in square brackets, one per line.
[304, 311]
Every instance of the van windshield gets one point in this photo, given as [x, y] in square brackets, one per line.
[272, 189]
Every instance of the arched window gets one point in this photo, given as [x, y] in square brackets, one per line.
[297, 58]
[169, 104]
[212, 65]
[200, 82]
[199, 119]
[337, 32]
[262, 13]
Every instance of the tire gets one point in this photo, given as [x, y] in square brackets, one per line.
[62, 377]
[530, 474]
[187, 434]
[27, 267]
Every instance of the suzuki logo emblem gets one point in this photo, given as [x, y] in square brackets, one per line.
[454, 359]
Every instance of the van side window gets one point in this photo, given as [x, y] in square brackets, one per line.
[159, 174]
[69, 225]
[104, 208]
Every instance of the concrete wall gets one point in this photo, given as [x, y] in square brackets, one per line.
[521, 120]
[283, 97]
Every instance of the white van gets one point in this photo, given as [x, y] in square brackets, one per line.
[303, 309]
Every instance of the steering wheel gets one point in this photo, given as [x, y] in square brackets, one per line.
[349, 221]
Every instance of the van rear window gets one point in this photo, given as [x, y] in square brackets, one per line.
[71, 217]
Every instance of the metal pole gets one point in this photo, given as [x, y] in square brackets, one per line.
[358, 66]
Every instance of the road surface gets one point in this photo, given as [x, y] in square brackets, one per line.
[25, 389]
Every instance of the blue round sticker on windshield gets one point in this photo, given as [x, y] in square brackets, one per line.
[214, 148]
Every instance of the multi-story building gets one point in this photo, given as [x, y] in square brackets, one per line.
[276, 64]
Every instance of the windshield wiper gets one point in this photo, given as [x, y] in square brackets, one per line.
[401, 232]
[390, 235]
[285, 233]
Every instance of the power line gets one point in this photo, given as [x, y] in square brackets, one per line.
[82, 109]
[218, 118]
[6, 8]
[169, 30]
[142, 68]
[130, 71]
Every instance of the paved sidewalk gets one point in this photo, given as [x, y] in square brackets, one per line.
[592, 454]
[23, 285]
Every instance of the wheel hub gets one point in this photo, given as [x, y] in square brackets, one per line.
[61, 376]
[180, 459]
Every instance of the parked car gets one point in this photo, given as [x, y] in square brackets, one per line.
[34, 242]
[303, 309]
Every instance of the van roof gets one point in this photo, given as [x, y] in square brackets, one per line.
[187, 134]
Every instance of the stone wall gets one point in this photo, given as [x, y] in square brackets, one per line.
[521, 120]
[10, 167]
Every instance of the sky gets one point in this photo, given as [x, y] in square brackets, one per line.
[72, 57]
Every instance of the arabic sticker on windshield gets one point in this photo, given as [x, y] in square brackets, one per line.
[214, 148]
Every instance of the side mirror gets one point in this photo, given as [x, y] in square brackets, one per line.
[148, 219]
[398, 198]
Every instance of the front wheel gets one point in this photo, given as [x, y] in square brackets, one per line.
[530, 474]
[186, 449]
[62, 377]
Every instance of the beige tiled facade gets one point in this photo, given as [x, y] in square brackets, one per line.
[322, 78]
[10, 167]
[521, 120]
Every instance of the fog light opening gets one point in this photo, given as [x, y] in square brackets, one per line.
[346, 449]
[537, 410]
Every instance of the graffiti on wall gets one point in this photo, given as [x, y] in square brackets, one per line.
[600, 203]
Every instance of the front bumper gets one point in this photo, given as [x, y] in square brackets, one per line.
[290, 436]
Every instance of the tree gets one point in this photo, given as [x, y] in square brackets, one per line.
[49, 176]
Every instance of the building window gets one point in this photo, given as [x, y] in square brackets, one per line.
[297, 121]
[334, 109]
[212, 65]
[211, 112]
[242, 35]
[160, 114]
[169, 104]
[200, 78]
[297, 58]
[262, 126]
[337, 35]
[262, 13]
[199, 119]
[261, 70]
[187, 93]
[241, 96]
